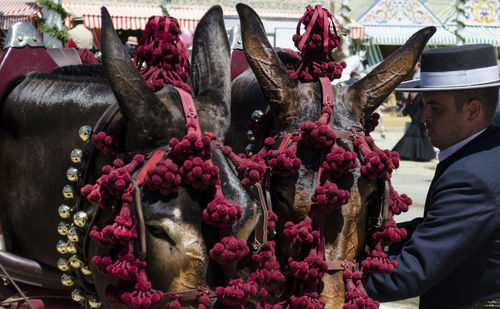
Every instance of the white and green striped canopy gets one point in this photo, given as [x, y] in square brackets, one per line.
[398, 35]
[480, 34]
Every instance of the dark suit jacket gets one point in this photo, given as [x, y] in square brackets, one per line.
[452, 258]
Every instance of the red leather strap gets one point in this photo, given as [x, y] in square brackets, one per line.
[285, 141]
[157, 156]
[190, 113]
[308, 30]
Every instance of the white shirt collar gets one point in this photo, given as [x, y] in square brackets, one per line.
[454, 148]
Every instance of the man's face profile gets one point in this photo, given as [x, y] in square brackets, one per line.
[445, 124]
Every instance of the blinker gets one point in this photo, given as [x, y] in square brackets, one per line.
[85, 270]
[72, 174]
[67, 280]
[62, 228]
[250, 150]
[256, 115]
[75, 262]
[61, 247]
[62, 264]
[68, 192]
[64, 211]
[73, 234]
[80, 218]
[70, 247]
[85, 132]
[94, 302]
[77, 295]
[250, 136]
[76, 155]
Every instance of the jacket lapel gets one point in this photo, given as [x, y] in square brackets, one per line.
[480, 143]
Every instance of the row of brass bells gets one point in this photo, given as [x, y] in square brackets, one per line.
[251, 148]
[66, 247]
[80, 219]
[79, 297]
[75, 262]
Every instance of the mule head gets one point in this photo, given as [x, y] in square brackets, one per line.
[177, 239]
[293, 103]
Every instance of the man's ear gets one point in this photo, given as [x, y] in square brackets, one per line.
[474, 110]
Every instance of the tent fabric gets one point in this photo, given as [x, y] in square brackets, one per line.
[13, 11]
[398, 35]
[124, 16]
[480, 34]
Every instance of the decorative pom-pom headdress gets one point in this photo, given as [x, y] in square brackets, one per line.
[162, 59]
[161, 56]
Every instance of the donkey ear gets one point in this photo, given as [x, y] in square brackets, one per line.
[148, 119]
[211, 60]
[371, 90]
[278, 87]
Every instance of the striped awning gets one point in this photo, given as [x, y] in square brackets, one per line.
[128, 16]
[13, 11]
[480, 34]
[189, 18]
[356, 29]
[398, 35]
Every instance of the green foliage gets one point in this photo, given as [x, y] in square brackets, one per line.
[164, 10]
[57, 7]
[53, 31]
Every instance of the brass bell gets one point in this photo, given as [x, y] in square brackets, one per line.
[62, 228]
[250, 150]
[73, 234]
[250, 136]
[75, 262]
[256, 115]
[64, 211]
[72, 174]
[70, 247]
[85, 133]
[76, 155]
[77, 295]
[85, 270]
[94, 302]
[67, 280]
[68, 192]
[80, 218]
[61, 247]
[62, 264]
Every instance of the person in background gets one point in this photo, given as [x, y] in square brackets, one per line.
[82, 36]
[415, 144]
[451, 256]
[355, 76]
[131, 45]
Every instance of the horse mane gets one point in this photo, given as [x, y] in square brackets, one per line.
[82, 84]
[81, 73]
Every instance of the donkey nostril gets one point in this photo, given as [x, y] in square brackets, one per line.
[159, 232]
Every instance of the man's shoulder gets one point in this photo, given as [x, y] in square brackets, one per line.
[479, 155]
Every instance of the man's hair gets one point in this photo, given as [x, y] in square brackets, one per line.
[487, 96]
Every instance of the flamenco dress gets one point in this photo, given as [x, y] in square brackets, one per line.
[415, 144]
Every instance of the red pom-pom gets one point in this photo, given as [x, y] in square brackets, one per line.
[200, 174]
[221, 213]
[164, 177]
[301, 233]
[236, 293]
[338, 162]
[229, 250]
[283, 162]
[329, 197]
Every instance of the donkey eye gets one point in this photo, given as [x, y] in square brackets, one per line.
[159, 232]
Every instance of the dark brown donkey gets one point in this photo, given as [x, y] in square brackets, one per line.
[292, 103]
[39, 125]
